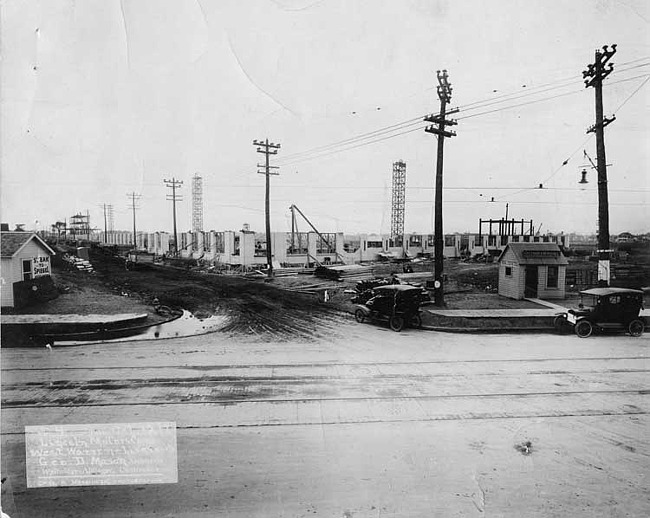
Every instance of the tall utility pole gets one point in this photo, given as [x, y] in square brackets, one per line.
[197, 203]
[173, 197]
[108, 220]
[398, 202]
[594, 76]
[134, 197]
[267, 149]
[444, 94]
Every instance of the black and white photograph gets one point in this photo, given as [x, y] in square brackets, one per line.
[325, 258]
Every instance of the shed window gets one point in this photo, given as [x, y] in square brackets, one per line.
[552, 278]
[27, 269]
[508, 271]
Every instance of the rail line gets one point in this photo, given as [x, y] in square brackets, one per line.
[331, 364]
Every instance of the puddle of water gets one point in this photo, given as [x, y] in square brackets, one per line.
[185, 325]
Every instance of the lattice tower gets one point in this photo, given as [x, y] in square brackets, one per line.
[197, 203]
[399, 199]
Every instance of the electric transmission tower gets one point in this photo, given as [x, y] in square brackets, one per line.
[444, 94]
[594, 76]
[173, 197]
[399, 201]
[267, 149]
[197, 203]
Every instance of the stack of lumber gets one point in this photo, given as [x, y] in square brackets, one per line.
[348, 272]
[79, 263]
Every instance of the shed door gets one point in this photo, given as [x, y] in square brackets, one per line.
[530, 286]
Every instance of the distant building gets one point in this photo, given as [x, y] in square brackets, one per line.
[25, 258]
[532, 270]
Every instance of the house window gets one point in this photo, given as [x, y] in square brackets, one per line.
[508, 271]
[552, 278]
[27, 270]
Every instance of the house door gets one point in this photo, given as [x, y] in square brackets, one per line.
[530, 285]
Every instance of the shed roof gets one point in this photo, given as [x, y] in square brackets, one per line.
[536, 253]
[12, 242]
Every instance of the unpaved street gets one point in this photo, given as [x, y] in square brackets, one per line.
[364, 423]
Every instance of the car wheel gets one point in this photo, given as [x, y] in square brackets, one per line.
[584, 328]
[416, 321]
[636, 327]
[396, 323]
[560, 323]
[359, 316]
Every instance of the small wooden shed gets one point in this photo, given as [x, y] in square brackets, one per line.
[25, 265]
[532, 270]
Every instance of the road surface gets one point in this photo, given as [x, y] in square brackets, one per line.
[364, 423]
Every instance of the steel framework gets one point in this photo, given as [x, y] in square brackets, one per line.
[399, 200]
[197, 203]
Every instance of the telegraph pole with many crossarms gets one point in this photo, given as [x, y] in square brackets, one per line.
[444, 94]
[593, 76]
[173, 197]
[267, 149]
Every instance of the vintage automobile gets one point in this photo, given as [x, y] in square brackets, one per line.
[399, 304]
[604, 309]
[364, 290]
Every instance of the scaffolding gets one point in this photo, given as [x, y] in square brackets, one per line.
[197, 203]
[399, 200]
[80, 226]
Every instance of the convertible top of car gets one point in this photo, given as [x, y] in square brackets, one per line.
[599, 292]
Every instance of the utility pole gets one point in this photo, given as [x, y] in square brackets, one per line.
[267, 149]
[444, 94]
[134, 197]
[173, 197]
[108, 221]
[105, 226]
[594, 76]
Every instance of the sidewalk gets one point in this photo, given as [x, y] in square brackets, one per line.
[499, 320]
[492, 320]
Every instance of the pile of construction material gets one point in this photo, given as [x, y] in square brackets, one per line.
[348, 272]
[78, 263]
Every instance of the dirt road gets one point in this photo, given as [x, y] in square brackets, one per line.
[364, 423]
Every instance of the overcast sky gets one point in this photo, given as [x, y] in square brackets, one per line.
[101, 98]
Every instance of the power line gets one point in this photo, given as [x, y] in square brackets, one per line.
[334, 148]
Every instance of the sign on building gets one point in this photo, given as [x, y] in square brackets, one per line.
[41, 266]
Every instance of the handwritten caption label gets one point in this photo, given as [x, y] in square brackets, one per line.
[101, 454]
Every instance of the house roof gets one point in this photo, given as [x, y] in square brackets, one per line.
[536, 253]
[12, 242]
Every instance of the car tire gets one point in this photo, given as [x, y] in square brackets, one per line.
[396, 323]
[560, 323]
[636, 327]
[360, 316]
[583, 328]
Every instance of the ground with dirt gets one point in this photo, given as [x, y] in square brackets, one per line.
[283, 307]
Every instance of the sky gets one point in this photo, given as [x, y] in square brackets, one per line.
[104, 98]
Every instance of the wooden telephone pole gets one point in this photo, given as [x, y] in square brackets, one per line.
[444, 94]
[594, 76]
[267, 149]
[134, 198]
[173, 197]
